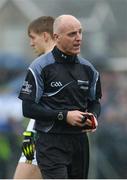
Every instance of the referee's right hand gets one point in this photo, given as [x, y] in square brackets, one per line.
[74, 118]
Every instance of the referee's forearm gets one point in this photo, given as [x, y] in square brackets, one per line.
[36, 111]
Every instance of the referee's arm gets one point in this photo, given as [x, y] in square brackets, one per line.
[94, 106]
[36, 111]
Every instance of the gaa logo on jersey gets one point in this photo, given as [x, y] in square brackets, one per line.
[26, 88]
[56, 84]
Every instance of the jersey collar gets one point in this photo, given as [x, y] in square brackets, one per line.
[62, 57]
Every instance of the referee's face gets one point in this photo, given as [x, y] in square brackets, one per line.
[70, 38]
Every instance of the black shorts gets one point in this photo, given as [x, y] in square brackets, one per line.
[63, 156]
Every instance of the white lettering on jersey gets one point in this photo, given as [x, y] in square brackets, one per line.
[56, 84]
[26, 87]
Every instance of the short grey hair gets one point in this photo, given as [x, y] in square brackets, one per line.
[60, 22]
[57, 23]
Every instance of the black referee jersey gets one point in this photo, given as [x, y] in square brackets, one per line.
[58, 83]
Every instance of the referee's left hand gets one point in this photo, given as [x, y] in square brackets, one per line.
[90, 124]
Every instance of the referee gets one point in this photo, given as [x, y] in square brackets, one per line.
[62, 92]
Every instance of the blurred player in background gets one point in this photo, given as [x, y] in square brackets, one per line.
[40, 32]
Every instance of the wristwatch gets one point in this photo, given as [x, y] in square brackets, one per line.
[60, 116]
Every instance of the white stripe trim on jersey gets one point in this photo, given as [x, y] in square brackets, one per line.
[54, 93]
[35, 81]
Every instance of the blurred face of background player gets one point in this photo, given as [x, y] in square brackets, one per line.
[41, 43]
[40, 32]
[68, 34]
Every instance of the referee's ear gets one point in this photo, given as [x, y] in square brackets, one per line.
[56, 37]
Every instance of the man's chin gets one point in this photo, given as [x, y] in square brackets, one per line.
[38, 53]
[75, 52]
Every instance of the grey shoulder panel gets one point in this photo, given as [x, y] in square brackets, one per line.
[39, 63]
[36, 69]
[87, 63]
